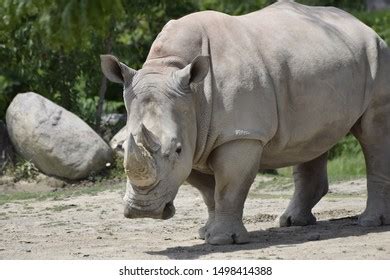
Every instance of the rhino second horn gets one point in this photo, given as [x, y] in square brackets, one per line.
[148, 139]
[139, 164]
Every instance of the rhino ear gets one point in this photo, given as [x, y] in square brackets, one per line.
[194, 72]
[114, 70]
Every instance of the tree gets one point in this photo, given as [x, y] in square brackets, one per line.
[53, 47]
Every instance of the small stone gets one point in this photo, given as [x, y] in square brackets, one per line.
[28, 251]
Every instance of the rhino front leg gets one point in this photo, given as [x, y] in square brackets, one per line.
[311, 184]
[235, 166]
[205, 183]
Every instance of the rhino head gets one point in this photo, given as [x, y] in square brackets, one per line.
[161, 132]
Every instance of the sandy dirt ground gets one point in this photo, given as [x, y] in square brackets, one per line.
[92, 227]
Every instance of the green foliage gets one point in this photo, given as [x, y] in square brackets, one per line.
[233, 7]
[347, 146]
[33, 64]
[345, 161]
[346, 167]
[349, 5]
[5, 98]
[53, 47]
[63, 23]
[25, 170]
[116, 170]
[379, 21]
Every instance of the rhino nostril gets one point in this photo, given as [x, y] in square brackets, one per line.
[169, 211]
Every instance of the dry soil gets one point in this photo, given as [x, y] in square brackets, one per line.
[92, 227]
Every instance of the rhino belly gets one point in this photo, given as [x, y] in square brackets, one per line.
[288, 148]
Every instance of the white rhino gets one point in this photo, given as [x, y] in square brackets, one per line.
[220, 96]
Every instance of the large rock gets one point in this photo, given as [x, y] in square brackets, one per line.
[58, 142]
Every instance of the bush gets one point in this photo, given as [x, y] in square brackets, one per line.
[379, 21]
[348, 146]
[349, 5]
[25, 170]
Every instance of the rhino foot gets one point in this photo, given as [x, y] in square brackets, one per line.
[202, 231]
[222, 233]
[367, 219]
[300, 219]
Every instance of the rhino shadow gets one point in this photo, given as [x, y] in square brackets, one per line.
[283, 237]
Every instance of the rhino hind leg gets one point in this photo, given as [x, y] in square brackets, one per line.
[373, 133]
[377, 157]
[311, 184]
[235, 166]
[205, 183]
[377, 210]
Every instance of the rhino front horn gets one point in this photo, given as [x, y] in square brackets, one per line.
[149, 140]
[139, 164]
[132, 149]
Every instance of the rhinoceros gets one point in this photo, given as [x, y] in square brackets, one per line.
[221, 96]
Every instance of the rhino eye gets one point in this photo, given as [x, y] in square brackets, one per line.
[178, 150]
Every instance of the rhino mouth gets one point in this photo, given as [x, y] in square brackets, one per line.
[164, 212]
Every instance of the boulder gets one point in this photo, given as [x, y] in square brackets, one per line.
[58, 142]
[111, 124]
[117, 141]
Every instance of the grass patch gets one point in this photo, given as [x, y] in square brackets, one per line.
[59, 194]
[342, 168]
[276, 182]
[346, 168]
[5, 198]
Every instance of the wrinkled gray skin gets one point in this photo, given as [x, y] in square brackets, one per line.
[220, 96]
